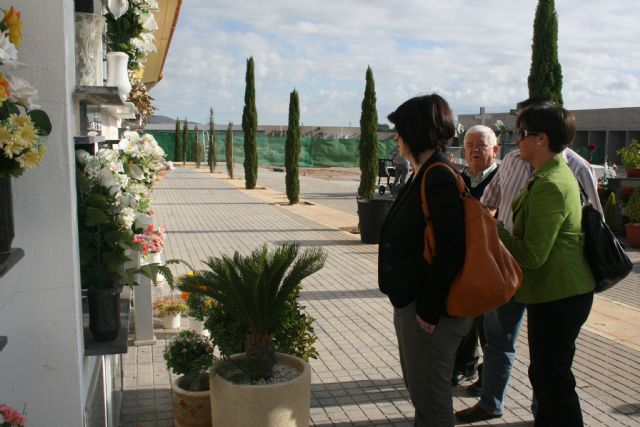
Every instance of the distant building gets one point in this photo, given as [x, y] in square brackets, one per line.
[608, 128]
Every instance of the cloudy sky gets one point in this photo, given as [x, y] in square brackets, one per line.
[472, 53]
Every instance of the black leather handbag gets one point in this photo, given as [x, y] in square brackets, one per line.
[605, 254]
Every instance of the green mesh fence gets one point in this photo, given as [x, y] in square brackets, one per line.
[314, 152]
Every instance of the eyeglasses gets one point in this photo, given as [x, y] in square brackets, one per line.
[524, 133]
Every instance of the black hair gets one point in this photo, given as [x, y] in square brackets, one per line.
[559, 124]
[424, 122]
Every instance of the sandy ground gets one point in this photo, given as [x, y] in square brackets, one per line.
[330, 174]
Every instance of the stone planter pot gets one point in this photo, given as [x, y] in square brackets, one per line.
[270, 405]
[197, 326]
[371, 215]
[191, 408]
[171, 321]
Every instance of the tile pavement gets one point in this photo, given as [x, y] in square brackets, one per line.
[356, 379]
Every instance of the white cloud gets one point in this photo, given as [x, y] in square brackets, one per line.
[473, 54]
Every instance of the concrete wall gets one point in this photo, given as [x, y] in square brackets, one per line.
[43, 364]
[608, 128]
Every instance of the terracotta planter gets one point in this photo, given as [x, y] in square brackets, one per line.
[633, 172]
[270, 405]
[633, 235]
[191, 408]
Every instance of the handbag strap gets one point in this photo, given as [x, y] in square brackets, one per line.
[584, 197]
[462, 188]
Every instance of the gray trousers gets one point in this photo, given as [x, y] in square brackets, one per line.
[427, 362]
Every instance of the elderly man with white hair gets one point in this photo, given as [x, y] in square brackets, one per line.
[480, 151]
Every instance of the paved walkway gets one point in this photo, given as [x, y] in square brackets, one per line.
[357, 379]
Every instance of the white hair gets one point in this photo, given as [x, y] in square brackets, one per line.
[486, 131]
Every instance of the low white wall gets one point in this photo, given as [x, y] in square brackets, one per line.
[43, 364]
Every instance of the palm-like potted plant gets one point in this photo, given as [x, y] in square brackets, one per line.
[256, 289]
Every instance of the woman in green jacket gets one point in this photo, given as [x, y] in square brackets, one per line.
[547, 242]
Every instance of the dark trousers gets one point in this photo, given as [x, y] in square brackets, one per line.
[468, 354]
[553, 328]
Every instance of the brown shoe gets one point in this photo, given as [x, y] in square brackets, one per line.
[475, 414]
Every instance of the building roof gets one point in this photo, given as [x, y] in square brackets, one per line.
[167, 18]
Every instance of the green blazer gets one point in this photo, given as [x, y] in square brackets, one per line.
[547, 240]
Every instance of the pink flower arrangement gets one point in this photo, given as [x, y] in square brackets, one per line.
[11, 417]
[151, 241]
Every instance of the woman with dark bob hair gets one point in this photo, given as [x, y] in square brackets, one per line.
[427, 337]
[547, 241]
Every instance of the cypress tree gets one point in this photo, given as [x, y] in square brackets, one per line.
[178, 148]
[185, 141]
[545, 75]
[212, 143]
[198, 148]
[368, 144]
[250, 128]
[292, 149]
[228, 147]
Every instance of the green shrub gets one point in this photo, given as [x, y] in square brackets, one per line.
[633, 206]
[612, 213]
[190, 354]
[630, 156]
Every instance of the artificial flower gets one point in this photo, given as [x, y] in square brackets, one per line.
[8, 51]
[5, 92]
[22, 92]
[14, 25]
[11, 417]
[117, 7]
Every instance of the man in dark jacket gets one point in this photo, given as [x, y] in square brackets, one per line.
[480, 151]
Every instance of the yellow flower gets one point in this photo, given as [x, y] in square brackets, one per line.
[29, 159]
[20, 120]
[5, 135]
[12, 147]
[28, 135]
[12, 20]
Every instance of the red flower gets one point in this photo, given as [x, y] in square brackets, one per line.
[591, 148]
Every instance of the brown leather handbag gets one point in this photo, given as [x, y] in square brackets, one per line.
[489, 276]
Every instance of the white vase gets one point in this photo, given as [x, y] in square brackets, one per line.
[117, 74]
[197, 326]
[171, 321]
[88, 27]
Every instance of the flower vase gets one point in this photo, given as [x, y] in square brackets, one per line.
[104, 313]
[7, 232]
[89, 28]
[117, 74]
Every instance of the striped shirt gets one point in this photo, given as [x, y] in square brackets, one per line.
[514, 174]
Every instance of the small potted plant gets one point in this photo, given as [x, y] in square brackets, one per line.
[169, 311]
[256, 289]
[630, 158]
[633, 212]
[186, 354]
[150, 243]
[197, 305]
